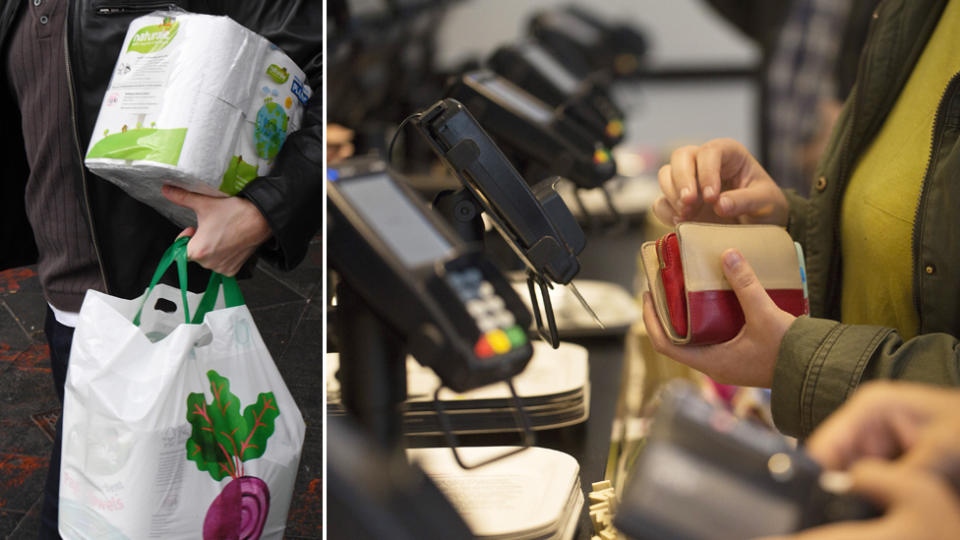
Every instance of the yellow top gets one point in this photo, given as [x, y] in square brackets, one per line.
[881, 199]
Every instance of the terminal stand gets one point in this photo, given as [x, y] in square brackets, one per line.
[373, 370]
[462, 212]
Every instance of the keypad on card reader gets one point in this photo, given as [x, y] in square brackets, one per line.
[498, 327]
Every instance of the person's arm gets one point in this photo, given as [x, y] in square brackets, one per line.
[275, 215]
[290, 197]
[821, 362]
[811, 365]
[797, 217]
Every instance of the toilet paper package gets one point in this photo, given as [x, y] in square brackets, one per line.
[196, 101]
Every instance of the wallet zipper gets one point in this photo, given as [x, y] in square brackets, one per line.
[660, 260]
[662, 254]
[667, 259]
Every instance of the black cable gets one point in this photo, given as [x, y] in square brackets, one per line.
[397, 133]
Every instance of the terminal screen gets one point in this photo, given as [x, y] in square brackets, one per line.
[550, 68]
[521, 101]
[394, 217]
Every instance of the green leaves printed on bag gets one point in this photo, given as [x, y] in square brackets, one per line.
[222, 439]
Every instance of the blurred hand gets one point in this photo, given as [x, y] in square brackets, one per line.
[919, 505]
[937, 450]
[718, 182]
[747, 359]
[229, 229]
[886, 420]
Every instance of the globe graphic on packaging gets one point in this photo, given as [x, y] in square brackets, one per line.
[270, 130]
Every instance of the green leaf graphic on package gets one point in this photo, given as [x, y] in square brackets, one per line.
[148, 144]
[154, 37]
[277, 73]
[237, 175]
[220, 441]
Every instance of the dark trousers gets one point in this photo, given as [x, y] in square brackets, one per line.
[59, 337]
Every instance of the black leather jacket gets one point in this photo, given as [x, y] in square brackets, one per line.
[129, 236]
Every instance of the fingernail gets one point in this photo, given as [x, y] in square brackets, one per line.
[708, 192]
[676, 220]
[732, 259]
[726, 204]
[683, 193]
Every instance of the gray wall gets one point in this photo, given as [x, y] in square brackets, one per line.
[683, 33]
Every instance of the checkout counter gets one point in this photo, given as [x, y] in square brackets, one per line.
[532, 237]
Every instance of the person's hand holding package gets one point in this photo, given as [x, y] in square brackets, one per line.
[256, 100]
[919, 428]
[228, 231]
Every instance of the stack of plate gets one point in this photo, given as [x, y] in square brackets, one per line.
[534, 494]
[554, 390]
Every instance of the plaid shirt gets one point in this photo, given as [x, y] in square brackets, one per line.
[800, 76]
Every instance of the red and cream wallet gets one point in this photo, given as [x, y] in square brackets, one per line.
[693, 300]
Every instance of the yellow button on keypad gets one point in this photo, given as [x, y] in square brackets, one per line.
[499, 341]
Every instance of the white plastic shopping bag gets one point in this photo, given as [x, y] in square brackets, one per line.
[175, 430]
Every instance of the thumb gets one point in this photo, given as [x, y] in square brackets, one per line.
[751, 294]
[182, 197]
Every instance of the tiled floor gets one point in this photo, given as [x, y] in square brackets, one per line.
[287, 308]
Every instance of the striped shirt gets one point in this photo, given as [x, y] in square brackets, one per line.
[36, 72]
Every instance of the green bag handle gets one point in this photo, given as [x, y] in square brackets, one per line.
[177, 253]
[231, 295]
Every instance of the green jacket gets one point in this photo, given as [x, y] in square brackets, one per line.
[822, 361]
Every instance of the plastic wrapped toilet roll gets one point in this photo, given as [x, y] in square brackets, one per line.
[196, 101]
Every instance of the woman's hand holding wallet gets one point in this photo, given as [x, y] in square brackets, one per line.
[749, 358]
[721, 182]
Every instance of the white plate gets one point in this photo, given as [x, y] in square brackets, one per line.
[613, 304]
[524, 495]
[550, 372]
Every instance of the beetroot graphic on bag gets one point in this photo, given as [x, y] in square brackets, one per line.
[221, 440]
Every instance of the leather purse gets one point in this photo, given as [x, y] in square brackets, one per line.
[694, 301]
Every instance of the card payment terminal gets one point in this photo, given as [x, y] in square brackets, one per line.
[533, 130]
[532, 68]
[454, 310]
